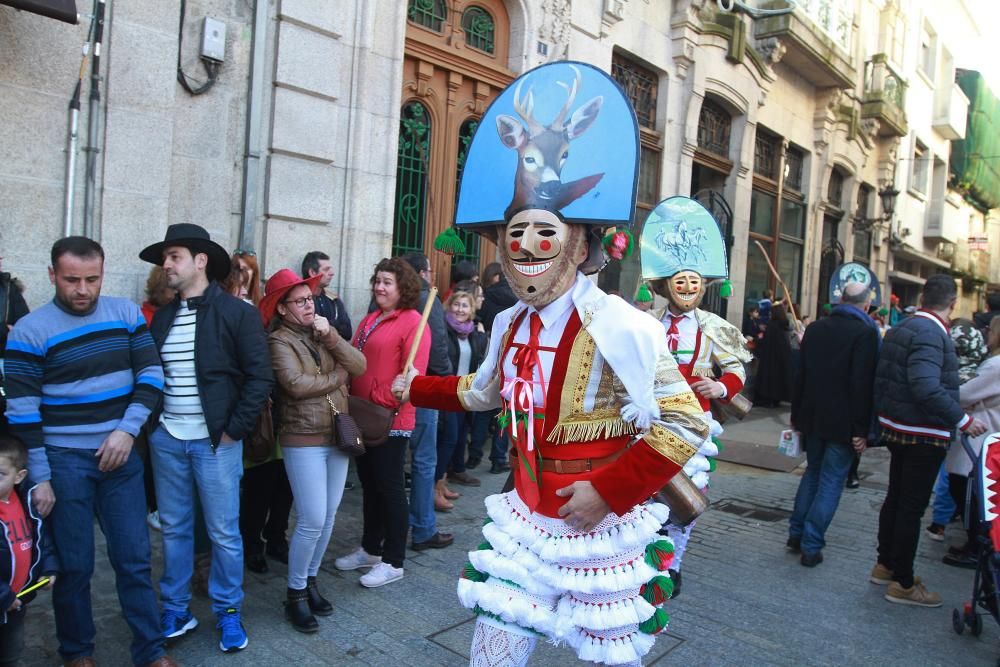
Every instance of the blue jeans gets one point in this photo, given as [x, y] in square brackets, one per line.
[423, 445]
[118, 498]
[943, 506]
[819, 491]
[451, 444]
[181, 468]
[317, 476]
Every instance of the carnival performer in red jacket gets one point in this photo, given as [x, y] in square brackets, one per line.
[599, 415]
[681, 248]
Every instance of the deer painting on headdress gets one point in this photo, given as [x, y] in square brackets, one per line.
[542, 150]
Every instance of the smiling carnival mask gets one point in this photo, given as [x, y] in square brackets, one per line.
[540, 254]
[685, 290]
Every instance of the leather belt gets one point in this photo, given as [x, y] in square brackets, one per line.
[575, 466]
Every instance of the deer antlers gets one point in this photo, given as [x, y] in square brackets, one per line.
[525, 107]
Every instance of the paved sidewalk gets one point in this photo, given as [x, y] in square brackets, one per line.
[745, 600]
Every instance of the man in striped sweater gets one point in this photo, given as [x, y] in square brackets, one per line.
[82, 377]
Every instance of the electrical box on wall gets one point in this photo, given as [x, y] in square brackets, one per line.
[213, 39]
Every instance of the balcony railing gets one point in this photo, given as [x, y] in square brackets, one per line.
[885, 97]
[834, 17]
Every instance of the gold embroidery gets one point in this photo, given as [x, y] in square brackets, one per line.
[464, 385]
[578, 371]
[669, 445]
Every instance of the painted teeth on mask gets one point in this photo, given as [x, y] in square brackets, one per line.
[532, 269]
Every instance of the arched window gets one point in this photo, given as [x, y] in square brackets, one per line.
[471, 239]
[428, 13]
[714, 125]
[411, 179]
[479, 27]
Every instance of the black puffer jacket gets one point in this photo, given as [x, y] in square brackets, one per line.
[916, 381]
[231, 360]
[478, 341]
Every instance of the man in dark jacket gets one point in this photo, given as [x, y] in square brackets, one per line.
[217, 378]
[423, 440]
[497, 298]
[916, 400]
[832, 409]
[331, 307]
[982, 320]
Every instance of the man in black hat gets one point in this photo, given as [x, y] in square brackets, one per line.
[217, 377]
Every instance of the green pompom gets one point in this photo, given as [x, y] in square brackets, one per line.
[711, 464]
[655, 623]
[619, 245]
[657, 590]
[484, 546]
[472, 574]
[449, 242]
[726, 289]
[643, 295]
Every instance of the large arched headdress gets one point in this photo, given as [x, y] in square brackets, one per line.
[561, 137]
[681, 235]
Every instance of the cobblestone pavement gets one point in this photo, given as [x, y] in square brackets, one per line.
[745, 601]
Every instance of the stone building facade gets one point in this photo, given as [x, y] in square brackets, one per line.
[341, 127]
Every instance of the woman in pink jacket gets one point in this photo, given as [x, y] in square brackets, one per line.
[385, 337]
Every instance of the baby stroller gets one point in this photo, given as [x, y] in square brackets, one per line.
[984, 481]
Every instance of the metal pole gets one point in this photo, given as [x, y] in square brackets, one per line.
[72, 148]
[90, 184]
[251, 159]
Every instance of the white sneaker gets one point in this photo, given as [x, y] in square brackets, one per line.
[357, 559]
[153, 519]
[380, 575]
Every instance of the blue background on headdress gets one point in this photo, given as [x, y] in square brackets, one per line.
[610, 145]
[857, 272]
[680, 235]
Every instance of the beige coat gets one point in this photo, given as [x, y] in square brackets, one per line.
[980, 397]
[302, 387]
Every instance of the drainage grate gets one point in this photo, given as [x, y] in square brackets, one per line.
[749, 510]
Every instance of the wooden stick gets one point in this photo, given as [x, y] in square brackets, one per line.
[774, 272]
[431, 295]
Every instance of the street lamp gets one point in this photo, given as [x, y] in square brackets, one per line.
[887, 195]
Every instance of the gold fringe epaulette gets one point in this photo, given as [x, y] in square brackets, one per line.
[587, 430]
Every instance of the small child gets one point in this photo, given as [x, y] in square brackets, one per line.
[26, 554]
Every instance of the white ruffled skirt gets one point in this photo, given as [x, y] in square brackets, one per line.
[599, 592]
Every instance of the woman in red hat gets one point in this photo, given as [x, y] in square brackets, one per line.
[312, 368]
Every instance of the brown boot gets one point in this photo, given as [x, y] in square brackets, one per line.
[445, 491]
[81, 662]
[441, 504]
[165, 661]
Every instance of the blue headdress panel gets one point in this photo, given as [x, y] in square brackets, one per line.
[854, 272]
[680, 235]
[562, 137]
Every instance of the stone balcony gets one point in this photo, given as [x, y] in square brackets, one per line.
[884, 97]
[817, 37]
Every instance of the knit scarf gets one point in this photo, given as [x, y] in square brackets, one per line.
[462, 329]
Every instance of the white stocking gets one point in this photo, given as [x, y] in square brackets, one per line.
[679, 536]
[495, 647]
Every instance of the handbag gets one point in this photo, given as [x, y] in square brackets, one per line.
[346, 435]
[374, 421]
[260, 444]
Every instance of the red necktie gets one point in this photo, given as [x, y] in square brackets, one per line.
[673, 333]
[526, 360]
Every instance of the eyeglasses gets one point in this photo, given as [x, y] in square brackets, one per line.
[300, 303]
[245, 253]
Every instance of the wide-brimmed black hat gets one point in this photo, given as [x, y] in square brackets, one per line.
[196, 239]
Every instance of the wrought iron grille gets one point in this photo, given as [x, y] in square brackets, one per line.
[723, 214]
[479, 28]
[411, 180]
[793, 169]
[765, 155]
[471, 239]
[640, 86]
[714, 126]
[428, 13]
